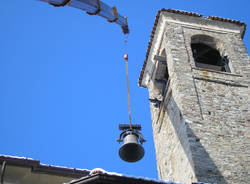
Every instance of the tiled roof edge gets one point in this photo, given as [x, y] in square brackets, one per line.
[230, 21]
[226, 20]
[181, 12]
[113, 179]
[149, 45]
[37, 167]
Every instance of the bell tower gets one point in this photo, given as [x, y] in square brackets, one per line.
[197, 74]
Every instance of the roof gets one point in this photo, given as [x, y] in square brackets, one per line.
[107, 178]
[115, 178]
[36, 166]
[182, 13]
[96, 176]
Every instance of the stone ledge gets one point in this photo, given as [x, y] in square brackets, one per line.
[220, 77]
[231, 83]
[224, 73]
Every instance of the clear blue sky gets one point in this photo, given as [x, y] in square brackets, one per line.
[63, 85]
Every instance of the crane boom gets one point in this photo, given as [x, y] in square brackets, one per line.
[95, 7]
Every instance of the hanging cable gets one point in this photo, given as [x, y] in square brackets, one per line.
[125, 42]
[126, 62]
[129, 113]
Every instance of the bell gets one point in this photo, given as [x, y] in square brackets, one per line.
[131, 150]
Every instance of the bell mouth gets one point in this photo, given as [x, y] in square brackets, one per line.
[131, 152]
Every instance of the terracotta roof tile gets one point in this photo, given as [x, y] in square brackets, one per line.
[226, 20]
[181, 12]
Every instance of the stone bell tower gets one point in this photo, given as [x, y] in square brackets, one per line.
[197, 73]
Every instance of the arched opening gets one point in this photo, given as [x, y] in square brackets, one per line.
[206, 55]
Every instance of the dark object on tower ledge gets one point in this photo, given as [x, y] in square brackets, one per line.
[155, 102]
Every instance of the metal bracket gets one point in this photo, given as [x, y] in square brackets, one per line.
[116, 15]
[64, 3]
[125, 28]
[127, 132]
[98, 9]
[127, 126]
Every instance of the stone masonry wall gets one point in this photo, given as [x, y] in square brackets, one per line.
[172, 160]
[201, 128]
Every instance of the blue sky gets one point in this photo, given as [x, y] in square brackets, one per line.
[63, 85]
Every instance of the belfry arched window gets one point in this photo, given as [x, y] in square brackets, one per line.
[206, 55]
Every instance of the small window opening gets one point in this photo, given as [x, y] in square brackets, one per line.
[166, 75]
[209, 58]
[162, 75]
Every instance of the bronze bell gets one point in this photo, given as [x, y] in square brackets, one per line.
[131, 150]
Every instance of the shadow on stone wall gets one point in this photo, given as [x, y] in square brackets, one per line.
[203, 166]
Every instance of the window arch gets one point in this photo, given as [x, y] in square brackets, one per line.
[206, 55]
